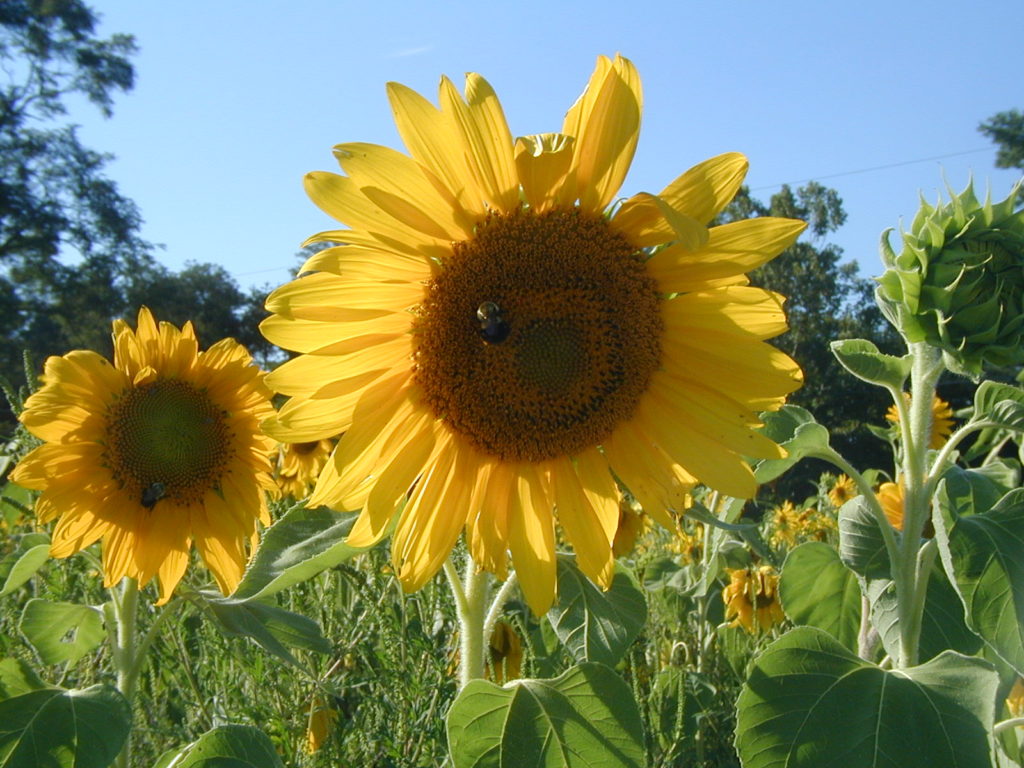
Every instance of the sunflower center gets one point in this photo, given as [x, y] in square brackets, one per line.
[539, 335]
[167, 439]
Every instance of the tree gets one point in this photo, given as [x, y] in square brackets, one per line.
[825, 300]
[1006, 130]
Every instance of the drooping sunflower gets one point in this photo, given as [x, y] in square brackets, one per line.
[299, 465]
[156, 452]
[752, 598]
[495, 340]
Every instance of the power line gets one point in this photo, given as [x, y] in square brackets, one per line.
[876, 168]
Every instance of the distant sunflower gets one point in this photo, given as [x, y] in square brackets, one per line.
[299, 464]
[842, 491]
[495, 341]
[156, 452]
[786, 525]
[633, 523]
[942, 421]
[752, 598]
[890, 496]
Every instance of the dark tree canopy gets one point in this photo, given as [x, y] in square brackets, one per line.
[1006, 131]
[825, 300]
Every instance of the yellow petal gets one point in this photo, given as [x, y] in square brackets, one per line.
[704, 190]
[487, 522]
[367, 264]
[328, 337]
[582, 526]
[731, 250]
[609, 126]
[732, 311]
[531, 538]
[543, 163]
[431, 138]
[319, 296]
[485, 135]
[600, 489]
[647, 220]
[648, 473]
[404, 189]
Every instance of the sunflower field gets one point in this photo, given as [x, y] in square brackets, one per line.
[511, 500]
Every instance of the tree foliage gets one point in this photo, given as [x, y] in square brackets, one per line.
[825, 300]
[1006, 131]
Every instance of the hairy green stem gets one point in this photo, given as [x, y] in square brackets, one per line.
[126, 604]
[497, 604]
[470, 601]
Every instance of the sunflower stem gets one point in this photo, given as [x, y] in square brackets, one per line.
[497, 604]
[126, 604]
[471, 603]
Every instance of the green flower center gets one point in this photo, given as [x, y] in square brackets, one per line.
[167, 439]
[539, 335]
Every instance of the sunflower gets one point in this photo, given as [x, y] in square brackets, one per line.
[505, 653]
[786, 525]
[942, 420]
[496, 341]
[890, 496]
[299, 464]
[752, 598]
[150, 454]
[633, 523]
[842, 491]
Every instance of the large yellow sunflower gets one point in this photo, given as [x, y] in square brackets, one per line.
[496, 341]
[150, 454]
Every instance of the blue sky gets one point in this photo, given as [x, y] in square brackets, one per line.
[235, 101]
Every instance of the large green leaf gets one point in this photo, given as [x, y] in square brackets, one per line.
[999, 404]
[16, 678]
[57, 728]
[273, 628]
[227, 746]
[986, 557]
[942, 624]
[297, 547]
[795, 429]
[582, 719]
[862, 358]
[809, 703]
[819, 591]
[861, 544]
[966, 492]
[21, 564]
[61, 631]
[593, 624]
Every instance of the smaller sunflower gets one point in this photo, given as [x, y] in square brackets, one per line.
[152, 454]
[752, 598]
[816, 525]
[322, 718]
[942, 421]
[1015, 699]
[633, 523]
[786, 525]
[842, 491]
[689, 545]
[890, 496]
[505, 660]
[299, 465]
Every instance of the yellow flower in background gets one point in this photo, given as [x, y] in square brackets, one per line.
[786, 525]
[1015, 700]
[690, 545]
[842, 491]
[752, 598]
[152, 454]
[633, 523]
[322, 718]
[505, 659]
[942, 420]
[890, 496]
[494, 341]
[815, 524]
[299, 464]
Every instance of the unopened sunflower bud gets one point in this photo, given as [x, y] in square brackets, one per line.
[958, 282]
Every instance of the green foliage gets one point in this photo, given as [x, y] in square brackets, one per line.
[1006, 131]
[861, 543]
[585, 717]
[810, 702]
[61, 632]
[593, 624]
[228, 746]
[862, 358]
[817, 590]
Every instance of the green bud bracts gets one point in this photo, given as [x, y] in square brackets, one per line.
[958, 283]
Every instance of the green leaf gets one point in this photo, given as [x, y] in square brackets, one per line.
[23, 566]
[943, 626]
[1000, 404]
[61, 632]
[795, 429]
[966, 492]
[584, 718]
[592, 624]
[227, 746]
[57, 728]
[818, 590]
[809, 702]
[16, 678]
[986, 559]
[272, 628]
[861, 544]
[296, 548]
[862, 358]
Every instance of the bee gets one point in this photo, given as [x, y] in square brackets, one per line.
[493, 327]
[152, 493]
